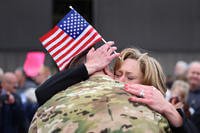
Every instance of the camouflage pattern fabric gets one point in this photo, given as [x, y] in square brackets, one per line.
[98, 105]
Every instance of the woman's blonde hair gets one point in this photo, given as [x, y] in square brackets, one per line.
[151, 69]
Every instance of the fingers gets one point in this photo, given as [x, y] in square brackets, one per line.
[91, 51]
[108, 50]
[113, 56]
[140, 87]
[139, 100]
[110, 43]
[106, 46]
[111, 50]
[142, 91]
[132, 91]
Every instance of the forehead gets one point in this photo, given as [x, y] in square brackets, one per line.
[19, 72]
[10, 78]
[130, 65]
[195, 67]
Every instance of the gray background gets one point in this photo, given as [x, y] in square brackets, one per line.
[168, 30]
[158, 25]
[22, 23]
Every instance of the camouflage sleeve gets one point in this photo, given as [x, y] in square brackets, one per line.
[33, 126]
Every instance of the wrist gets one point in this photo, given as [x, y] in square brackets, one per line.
[90, 68]
[172, 115]
[166, 109]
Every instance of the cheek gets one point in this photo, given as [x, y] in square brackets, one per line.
[135, 81]
[190, 77]
[176, 93]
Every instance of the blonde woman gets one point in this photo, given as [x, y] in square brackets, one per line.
[136, 68]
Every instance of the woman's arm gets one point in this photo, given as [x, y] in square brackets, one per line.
[155, 100]
[59, 82]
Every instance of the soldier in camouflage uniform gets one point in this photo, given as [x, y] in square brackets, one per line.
[98, 105]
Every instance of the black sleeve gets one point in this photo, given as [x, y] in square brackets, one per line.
[187, 127]
[195, 118]
[60, 81]
[19, 118]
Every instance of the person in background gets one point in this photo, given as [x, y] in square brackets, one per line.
[193, 101]
[26, 86]
[2, 99]
[32, 64]
[25, 83]
[179, 94]
[43, 74]
[1, 73]
[1, 77]
[12, 115]
[169, 82]
[180, 70]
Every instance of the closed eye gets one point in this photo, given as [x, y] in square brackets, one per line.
[131, 77]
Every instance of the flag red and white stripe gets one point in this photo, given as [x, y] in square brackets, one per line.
[63, 47]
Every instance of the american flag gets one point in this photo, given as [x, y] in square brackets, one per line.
[72, 35]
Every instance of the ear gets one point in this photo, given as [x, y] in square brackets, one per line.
[108, 72]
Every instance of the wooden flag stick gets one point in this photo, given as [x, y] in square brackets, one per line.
[103, 40]
[106, 42]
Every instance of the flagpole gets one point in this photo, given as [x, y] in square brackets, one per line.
[71, 7]
[103, 40]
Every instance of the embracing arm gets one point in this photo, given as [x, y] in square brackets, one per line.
[60, 81]
[156, 101]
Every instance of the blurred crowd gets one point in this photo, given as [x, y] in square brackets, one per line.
[18, 102]
[184, 89]
[17, 94]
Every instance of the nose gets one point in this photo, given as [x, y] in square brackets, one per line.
[122, 78]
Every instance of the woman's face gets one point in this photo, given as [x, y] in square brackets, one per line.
[129, 72]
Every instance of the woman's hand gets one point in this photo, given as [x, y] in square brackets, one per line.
[98, 59]
[153, 98]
